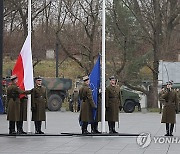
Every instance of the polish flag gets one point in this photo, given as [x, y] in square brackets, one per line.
[23, 68]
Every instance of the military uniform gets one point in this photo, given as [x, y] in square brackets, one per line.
[169, 110]
[87, 104]
[161, 100]
[75, 96]
[13, 111]
[113, 105]
[39, 104]
[4, 98]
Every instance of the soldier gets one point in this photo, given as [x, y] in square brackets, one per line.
[13, 112]
[161, 100]
[4, 95]
[113, 104]
[87, 105]
[75, 96]
[170, 109]
[39, 104]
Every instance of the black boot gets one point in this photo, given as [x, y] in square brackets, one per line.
[167, 129]
[84, 128]
[92, 128]
[171, 130]
[96, 128]
[113, 127]
[39, 127]
[36, 127]
[21, 127]
[12, 128]
[110, 127]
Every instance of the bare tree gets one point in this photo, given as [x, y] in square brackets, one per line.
[157, 20]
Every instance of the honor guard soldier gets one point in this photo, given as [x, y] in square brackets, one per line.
[87, 104]
[170, 108]
[113, 104]
[75, 97]
[39, 104]
[13, 112]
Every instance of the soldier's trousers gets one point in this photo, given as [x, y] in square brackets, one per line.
[19, 125]
[38, 126]
[11, 127]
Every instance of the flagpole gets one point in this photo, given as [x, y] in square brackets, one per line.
[103, 69]
[29, 96]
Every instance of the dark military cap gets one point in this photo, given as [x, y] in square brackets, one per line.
[13, 77]
[38, 78]
[112, 78]
[85, 78]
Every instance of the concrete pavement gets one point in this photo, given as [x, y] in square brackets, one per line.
[61, 122]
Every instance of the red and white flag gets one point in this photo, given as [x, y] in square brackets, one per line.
[23, 68]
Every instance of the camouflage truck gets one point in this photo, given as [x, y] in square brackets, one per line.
[130, 99]
[57, 91]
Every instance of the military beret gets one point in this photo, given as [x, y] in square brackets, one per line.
[85, 78]
[112, 78]
[38, 78]
[13, 77]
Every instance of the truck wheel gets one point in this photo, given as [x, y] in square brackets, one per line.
[129, 106]
[54, 102]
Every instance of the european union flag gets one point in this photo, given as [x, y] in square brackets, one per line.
[95, 83]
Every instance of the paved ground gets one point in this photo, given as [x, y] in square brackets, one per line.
[58, 122]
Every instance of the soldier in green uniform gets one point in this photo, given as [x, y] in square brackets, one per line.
[4, 95]
[75, 96]
[170, 109]
[13, 112]
[161, 100]
[87, 104]
[39, 104]
[113, 104]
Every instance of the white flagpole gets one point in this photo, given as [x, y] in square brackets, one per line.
[103, 68]
[29, 96]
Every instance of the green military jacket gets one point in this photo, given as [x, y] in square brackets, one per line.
[39, 103]
[13, 105]
[87, 103]
[170, 107]
[113, 102]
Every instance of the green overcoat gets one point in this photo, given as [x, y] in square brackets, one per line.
[87, 104]
[170, 107]
[13, 105]
[113, 102]
[39, 103]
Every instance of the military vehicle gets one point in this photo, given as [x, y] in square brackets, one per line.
[57, 91]
[129, 99]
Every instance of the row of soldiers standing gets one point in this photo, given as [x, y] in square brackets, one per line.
[17, 106]
[113, 105]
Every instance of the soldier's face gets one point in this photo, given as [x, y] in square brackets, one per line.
[16, 80]
[113, 81]
[38, 82]
[87, 82]
[169, 86]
